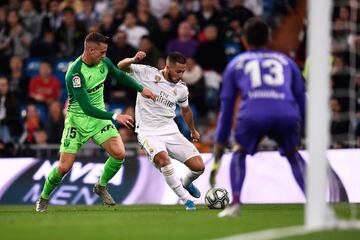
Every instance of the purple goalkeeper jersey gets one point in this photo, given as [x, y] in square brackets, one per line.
[270, 84]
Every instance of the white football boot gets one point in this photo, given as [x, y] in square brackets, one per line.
[232, 210]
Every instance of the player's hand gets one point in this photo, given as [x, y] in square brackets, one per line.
[140, 55]
[195, 136]
[218, 150]
[125, 120]
[147, 93]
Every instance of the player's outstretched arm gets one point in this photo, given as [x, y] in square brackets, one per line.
[228, 97]
[188, 117]
[126, 62]
[128, 81]
[92, 111]
[298, 89]
[218, 152]
[84, 102]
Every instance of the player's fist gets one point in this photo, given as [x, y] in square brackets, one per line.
[147, 93]
[195, 136]
[125, 120]
[140, 55]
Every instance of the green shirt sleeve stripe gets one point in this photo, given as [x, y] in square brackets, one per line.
[84, 102]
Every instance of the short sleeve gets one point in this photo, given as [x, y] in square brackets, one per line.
[183, 99]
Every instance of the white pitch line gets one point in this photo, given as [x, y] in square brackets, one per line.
[277, 233]
[270, 234]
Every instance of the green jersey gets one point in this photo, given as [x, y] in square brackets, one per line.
[85, 86]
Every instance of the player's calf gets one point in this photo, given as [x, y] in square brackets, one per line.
[196, 168]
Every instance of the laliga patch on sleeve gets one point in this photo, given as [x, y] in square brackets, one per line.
[76, 82]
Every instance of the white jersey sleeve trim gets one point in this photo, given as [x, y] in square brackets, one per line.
[183, 100]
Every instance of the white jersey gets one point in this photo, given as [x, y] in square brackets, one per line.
[157, 118]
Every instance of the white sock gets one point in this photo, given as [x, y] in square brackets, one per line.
[191, 176]
[174, 182]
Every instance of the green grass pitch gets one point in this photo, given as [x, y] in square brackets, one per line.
[152, 222]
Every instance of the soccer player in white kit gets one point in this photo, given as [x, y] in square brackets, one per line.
[156, 129]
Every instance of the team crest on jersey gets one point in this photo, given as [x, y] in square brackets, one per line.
[76, 82]
[102, 69]
[157, 78]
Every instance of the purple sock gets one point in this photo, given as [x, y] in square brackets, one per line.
[237, 174]
[298, 167]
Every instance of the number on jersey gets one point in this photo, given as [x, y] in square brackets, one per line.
[275, 77]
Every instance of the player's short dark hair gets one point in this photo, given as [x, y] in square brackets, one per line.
[256, 32]
[96, 38]
[176, 57]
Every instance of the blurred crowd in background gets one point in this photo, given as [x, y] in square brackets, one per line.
[40, 38]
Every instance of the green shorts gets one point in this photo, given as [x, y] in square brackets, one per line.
[79, 128]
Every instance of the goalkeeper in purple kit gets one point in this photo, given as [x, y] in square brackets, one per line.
[273, 105]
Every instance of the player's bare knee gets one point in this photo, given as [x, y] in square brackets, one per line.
[118, 154]
[63, 168]
[195, 164]
[117, 151]
[161, 160]
[199, 168]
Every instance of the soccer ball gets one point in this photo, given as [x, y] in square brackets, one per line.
[217, 198]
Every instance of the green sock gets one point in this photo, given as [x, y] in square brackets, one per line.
[52, 181]
[111, 167]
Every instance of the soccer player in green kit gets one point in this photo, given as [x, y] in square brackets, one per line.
[86, 117]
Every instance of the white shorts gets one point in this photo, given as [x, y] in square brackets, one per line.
[176, 145]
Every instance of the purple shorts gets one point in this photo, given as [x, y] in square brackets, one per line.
[285, 130]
